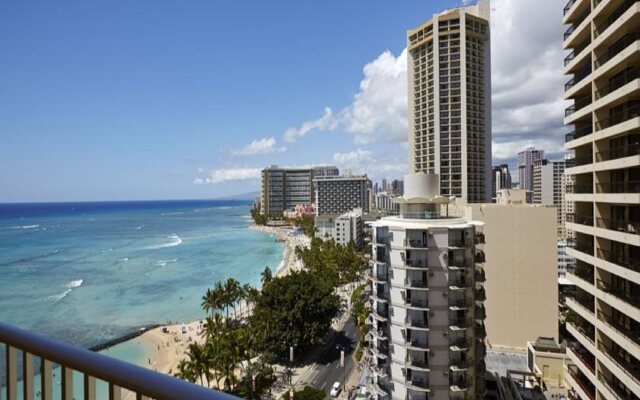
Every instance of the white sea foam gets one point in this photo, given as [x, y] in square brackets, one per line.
[60, 296]
[75, 284]
[172, 213]
[123, 260]
[223, 208]
[162, 263]
[69, 287]
[174, 240]
[139, 227]
[23, 227]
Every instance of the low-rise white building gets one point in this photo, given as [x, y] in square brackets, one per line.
[342, 228]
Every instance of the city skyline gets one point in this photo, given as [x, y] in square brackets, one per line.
[173, 125]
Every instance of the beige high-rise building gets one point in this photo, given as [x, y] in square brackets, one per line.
[603, 38]
[521, 271]
[449, 86]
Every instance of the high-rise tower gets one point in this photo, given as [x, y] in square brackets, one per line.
[603, 37]
[427, 334]
[449, 82]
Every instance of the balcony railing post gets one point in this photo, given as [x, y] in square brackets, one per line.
[67, 383]
[46, 386]
[27, 375]
[115, 393]
[89, 387]
[12, 375]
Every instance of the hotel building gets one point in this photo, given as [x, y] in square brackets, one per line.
[449, 85]
[427, 334]
[603, 66]
[340, 194]
[283, 189]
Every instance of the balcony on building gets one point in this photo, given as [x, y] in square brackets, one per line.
[615, 387]
[417, 318]
[583, 327]
[624, 255]
[417, 360]
[603, 56]
[585, 272]
[621, 358]
[621, 324]
[623, 289]
[417, 384]
[458, 279]
[382, 255]
[459, 341]
[585, 385]
[480, 257]
[420, 264]
[616, 153]
[582, 243]
[581, 129]
[36, 352]
[416, 239]
[417, 303]
[416, 280]
[580, 352]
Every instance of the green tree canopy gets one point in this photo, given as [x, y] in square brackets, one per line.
[339, 264]
[294, 310]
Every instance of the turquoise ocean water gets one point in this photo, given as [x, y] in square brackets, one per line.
[86, 273]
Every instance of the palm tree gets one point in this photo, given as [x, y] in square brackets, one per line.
[232, 288]
[267, 275]
[185, 371]
[210, 301]
[199, 362]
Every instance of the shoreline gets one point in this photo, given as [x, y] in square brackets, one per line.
[169, 347]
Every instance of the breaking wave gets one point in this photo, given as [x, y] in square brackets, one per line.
[174, 240]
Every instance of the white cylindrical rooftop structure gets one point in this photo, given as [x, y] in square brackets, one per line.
[421, 185]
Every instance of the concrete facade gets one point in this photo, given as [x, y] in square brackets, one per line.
[521, 273]
[449, 86]
[284, 188]
[427, 333]
[340, 194]
[603, 72]
[342, 228]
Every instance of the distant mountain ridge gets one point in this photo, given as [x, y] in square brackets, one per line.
[243, 196]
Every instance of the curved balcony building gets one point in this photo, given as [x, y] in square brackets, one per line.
[427, 304]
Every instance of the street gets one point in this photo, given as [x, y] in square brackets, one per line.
[323, 373]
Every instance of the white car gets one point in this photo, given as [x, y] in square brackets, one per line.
[335, 389]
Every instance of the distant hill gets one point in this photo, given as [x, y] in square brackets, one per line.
[244, 196]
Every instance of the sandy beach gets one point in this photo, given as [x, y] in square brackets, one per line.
[170, 342]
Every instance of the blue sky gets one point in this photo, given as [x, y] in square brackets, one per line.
[162, 99]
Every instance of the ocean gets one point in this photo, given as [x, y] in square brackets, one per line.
[87, 273]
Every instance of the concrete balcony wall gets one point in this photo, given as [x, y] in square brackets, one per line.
[619, 304]
[622, 340]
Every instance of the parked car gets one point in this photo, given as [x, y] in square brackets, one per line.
[335, 389]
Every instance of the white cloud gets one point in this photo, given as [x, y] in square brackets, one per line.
[378, 110]
[228, 175]
[527, 78]
[353, 158]
[326, 122]
[364, 161]
[260, 146]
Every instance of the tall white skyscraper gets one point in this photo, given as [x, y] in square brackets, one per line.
[449, 81]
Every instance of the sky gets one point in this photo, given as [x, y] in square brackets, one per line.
[121, 100]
